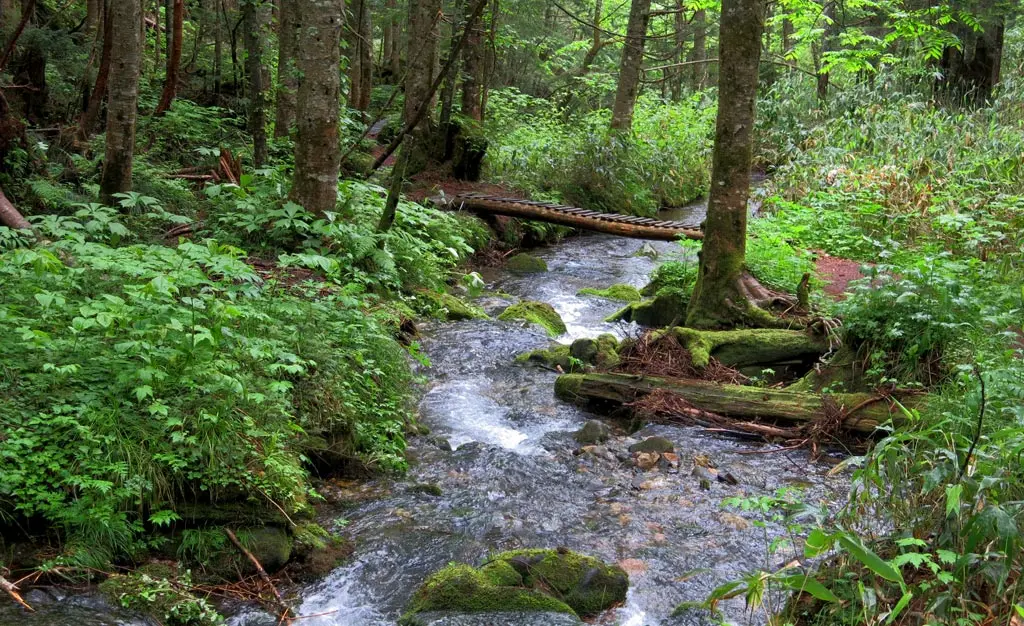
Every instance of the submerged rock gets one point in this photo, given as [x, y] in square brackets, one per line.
[653, 444]
[624, 293]
[593, 432]
[523, 263]
[536, 581]
[539, 313]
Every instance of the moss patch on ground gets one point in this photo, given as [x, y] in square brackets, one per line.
[526, 264]
[539, 313]
[624, 293]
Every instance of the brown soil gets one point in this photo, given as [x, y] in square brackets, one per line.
[837, 273]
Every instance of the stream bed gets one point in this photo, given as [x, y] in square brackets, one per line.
[516, 478]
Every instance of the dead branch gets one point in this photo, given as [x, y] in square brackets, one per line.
[12, 590]
[287, 611]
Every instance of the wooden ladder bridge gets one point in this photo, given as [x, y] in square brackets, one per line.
[611, 223]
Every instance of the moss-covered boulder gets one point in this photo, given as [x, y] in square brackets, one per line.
[592, 433]
[586, 584]
[531, 581]
[519, 618]
[668, 307]
[523, 263]
[454, 308]
[539, 313]
[624, 293]
[466, 589]
[653, 444]
[555, 356]
[271, 545]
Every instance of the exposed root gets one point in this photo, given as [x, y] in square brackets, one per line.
[653, 354]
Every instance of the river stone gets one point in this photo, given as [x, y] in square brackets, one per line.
[584, 350]
[493, 619]
[526, 264]
[593, 432]
[539, 313]
[646, 460]
[583, 582]
[653, 444]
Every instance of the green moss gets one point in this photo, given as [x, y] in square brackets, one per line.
[607, 351]
[625, 293]
[741, 348]
[501, 573]
[448, 307]
[555, 356]
[430, 489]
[666, 308]
[526, 264]
[463, 588]
[584, 583]
[539, 313]
[567, 386]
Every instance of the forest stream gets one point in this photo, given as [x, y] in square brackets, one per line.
[516, 477]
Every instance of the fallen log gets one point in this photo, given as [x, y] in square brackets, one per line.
[741, 348]
[10, 216]
[859, 412]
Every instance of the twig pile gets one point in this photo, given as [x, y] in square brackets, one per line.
[664, 356]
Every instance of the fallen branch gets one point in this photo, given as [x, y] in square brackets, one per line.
[12, 590]
[287, 611]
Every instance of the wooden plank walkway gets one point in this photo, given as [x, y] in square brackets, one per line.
[611, 223]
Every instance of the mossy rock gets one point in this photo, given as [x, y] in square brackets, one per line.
[523, 263]
[539, 313]
[554, 357]
[567, 387]
[271, 545]
[519, 618]
[666, 308]
[592, 433]
[428, 489]
[586, 584]
[653, 444]
[624, 293]
[450, 307]
[466, 589]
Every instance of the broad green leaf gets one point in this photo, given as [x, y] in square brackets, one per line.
[869, 559]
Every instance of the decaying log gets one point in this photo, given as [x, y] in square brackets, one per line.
[611, 223]
[861, 412]
[741, 348]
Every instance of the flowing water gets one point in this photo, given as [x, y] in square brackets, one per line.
[516, 477]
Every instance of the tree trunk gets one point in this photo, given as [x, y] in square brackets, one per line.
[123, 101]
[632, 60]
[700, 50]
[971, 72]
[255, 14]
[861, 412]
[87, 123]
[829, 14]
[173, 58]
[395, 54]
[93, 17]
[679, 23]
[359, 34]
[317, 158]
[287, 77]
[422, 53]
[218, 49]
[722, 295]
[451, 77]
[387, 40]
[10, 216]
[473, 58]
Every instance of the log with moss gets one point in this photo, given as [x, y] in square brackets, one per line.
[862, 412]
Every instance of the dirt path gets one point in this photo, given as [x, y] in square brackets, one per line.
[837, 273]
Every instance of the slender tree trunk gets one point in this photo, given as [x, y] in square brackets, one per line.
[351, 36]
[255, 18]
[596, 42]
[318, 57]
[448, 89]
[679, 23]
[93, 17]
[287, 77]
[173, 58]
[218, 49]
[387, 38]
[157, 34]
[787, 37]
[473, 71]
[87, 123]
[632, 60]
[490, 62]
[721, 296]
[700, 49]
[365, 55]
[829, 14]
[395, 55]
[123, 103]
[971, 72]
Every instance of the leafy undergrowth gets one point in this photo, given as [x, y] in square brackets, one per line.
[537, 147]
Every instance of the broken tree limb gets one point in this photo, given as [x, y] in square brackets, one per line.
[861, 412]
[12, 590]
[281, 604]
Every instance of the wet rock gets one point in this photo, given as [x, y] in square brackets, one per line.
[623, 293]
[653, 444]
[734, 521]
[430, 489]
[586, 584]
[705, 475]
[646, 460]
[539, 313]
[453, 308]
[593, 432]
[493, 619]
[441, 443]
[670, 460]
[523, 263]
[584, 349]
[647, 250]
[271, 545]
[667, 308]
[556, 357]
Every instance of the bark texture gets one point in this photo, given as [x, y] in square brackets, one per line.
[632, 60]
[287, 76]
[359, 36]
[173, 59]
[91, 115]
[422, 55]
[700, 49]
[721, 297]
[317, 158]
[255, 19]
[473, 67]
[123, 101]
